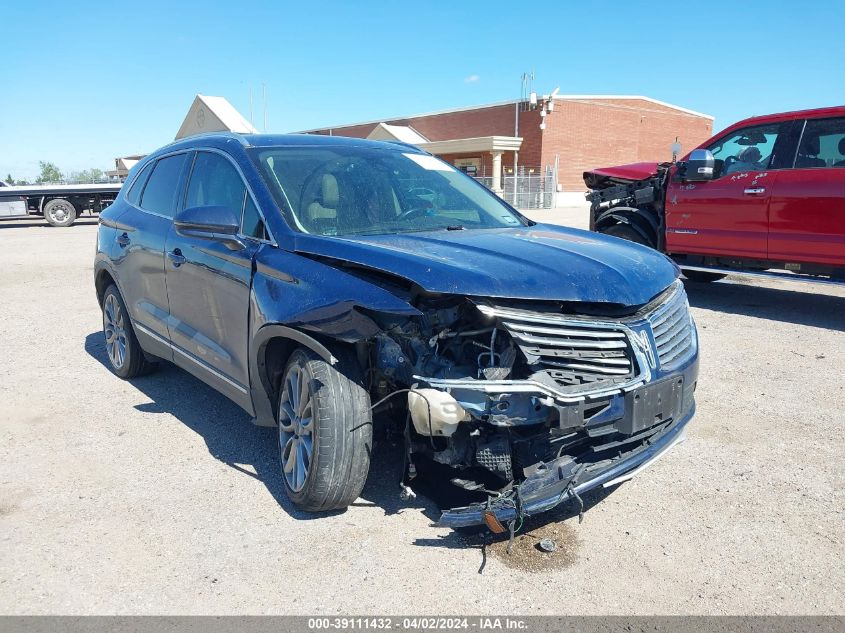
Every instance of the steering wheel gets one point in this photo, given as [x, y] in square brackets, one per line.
[730, 160]
[413, 212]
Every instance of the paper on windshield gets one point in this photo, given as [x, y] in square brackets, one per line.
[429, 162]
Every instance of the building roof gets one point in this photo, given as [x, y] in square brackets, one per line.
[594, 98]
[213, 114]
[403, 133]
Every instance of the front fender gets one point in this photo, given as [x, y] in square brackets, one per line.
[306, 302]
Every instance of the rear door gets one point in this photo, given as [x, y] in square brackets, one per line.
[807, 209]
[729, 214]
[208, 283]
[140, 239]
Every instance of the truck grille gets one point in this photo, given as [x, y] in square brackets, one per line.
[672, 329]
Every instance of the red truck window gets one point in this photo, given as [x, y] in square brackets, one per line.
[822, 144]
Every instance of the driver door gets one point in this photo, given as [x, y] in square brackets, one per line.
[729, 215]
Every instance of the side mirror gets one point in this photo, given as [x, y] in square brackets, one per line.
[699, 166]
[210, 222]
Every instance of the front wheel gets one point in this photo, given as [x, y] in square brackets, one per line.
[325, 431]
[702, 276]
[626, 232]
[59, 212]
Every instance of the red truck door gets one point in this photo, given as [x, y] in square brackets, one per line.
[807, 209]
[728, 215]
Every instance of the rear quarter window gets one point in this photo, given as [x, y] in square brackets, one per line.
[134, 193]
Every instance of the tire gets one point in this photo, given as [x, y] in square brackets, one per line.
[339, 430]
[125, 356]
[702, 276]
[626, 232]
[59, 212]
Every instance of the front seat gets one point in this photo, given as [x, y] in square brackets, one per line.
[808, 154]
[321, 214]
[747, 160]
[841, 163]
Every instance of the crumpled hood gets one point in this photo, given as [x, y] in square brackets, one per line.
[542, 262]
[606, 176]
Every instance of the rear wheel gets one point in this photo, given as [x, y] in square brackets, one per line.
[702, 276]
[126, 358]
[325, 431]
[626, 232]
[59, 212]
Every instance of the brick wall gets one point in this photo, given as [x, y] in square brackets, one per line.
[585, 133]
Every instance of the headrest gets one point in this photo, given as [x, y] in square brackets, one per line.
[842, 146]
[810, 146]
[329, 191]
[749, 154]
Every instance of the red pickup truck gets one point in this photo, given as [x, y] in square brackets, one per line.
[766, 195]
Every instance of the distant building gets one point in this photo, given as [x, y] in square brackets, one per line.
[122, 166]
[579, 132]
[213, 114]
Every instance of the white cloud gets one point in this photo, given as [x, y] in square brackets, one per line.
[472, 79]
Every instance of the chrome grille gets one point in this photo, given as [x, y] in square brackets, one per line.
[571, 352]
[672, 329]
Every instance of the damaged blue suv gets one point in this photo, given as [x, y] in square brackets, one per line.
[337, 287]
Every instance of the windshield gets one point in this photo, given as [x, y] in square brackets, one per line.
[362, 190]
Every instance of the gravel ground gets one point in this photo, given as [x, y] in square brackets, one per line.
[158, 496]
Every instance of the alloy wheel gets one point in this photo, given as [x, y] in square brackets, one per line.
[296, 422]
[115, 330]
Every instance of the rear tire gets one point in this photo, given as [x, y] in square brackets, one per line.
[126, 358]
[59, 212]
[702, 276]
[626, 232]
[325, 431]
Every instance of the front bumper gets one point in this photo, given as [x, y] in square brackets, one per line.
[558, 482]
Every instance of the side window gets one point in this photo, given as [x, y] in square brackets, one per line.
[134, 192]
[215, 182]
[160, 193]
[252, 225]
[822, 144]
[748, 149]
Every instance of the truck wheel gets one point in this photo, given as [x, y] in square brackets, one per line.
[59, 212]
[702, 276]
[325, 431]
[627, 233]
[126, 358]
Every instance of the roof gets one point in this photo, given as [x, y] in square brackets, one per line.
[404, 133]
[597, 98]
[213, 114]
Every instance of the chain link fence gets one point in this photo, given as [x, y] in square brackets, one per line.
[529, 189]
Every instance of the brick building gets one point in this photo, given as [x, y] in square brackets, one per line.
[579, 132]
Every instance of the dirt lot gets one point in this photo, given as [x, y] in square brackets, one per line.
[158, 496]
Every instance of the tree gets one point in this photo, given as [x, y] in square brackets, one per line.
[86, 175]
[10, 180]
[49, 172]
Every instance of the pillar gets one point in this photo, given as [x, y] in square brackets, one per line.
[497, 173]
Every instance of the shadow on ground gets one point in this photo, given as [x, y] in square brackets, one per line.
[805, 304]
[232, 438]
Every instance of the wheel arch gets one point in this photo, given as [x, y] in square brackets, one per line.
[643, 221]
[270, 350]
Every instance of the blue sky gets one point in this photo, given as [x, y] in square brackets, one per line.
[85, 82]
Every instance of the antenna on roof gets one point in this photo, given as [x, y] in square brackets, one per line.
[251, 119]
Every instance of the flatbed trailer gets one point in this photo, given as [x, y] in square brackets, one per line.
[60, 205]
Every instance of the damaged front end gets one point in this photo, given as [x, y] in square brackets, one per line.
[536, 402]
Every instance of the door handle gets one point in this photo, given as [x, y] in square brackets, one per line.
[176, 257]
[753, 191]
[123, 240]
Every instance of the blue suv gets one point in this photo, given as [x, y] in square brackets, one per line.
[337, 287]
